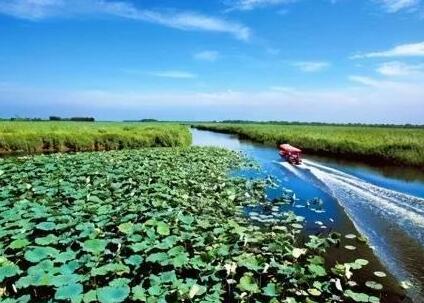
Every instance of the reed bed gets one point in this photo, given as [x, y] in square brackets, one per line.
[37, 137]
[404, 146]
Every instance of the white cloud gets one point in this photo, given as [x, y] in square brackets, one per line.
[396, 68]
[175, 74]
[247, 5]
[394, 6]
[41, 9]
[207, 55]
[311, 66]
[403, 50]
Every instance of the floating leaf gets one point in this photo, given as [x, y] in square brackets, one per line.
[350, 247]
[374, 285]
[297, 252]
[69, 292]
[47, 240]
[247, 283]
[380, 274]
[95, 246]
[314, 292]
[46, 225]
[139, 294]
[196, 290]
[317, 270]
[357, 297]
[126, 228]
[90, 296]
[270, 290]
[7, 270]
[113, 294]
[163, 229]
[134, 260]
[37, 254]
[19, 243]
[157, 257]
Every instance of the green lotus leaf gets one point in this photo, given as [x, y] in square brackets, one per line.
[361, 262]
[69, 268]
[180, 260]
[95, 246]
[162, 228]
[46, 225]
[317, 270]
[134, 260]
[137, 247]
[37, 254]
[187, 219]
[66, 256]
[380, 274]
[196, 290]
[247, 283]
[61, 280]
[314, 292]
[95, 199]
[168, 277]
[19, 243]
[22, 299]
[126, 228]
[117, 268]
[90, 296]
[374, 285]
[8, 269]
[270, 290]
[249, 261]
[139, 294]
[69, 292]
[43, 266]
[297, 252]
[157, 257]
[47, 240]
[112, 294]
[35, 279]
[355, 296]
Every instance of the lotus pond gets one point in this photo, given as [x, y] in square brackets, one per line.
[157, 225]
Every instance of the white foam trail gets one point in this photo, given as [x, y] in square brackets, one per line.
[292, 169]
[409, 202]
[357, 195]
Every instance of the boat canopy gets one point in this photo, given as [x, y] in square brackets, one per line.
[289, 148]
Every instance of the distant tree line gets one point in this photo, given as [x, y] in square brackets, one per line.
[81, 119]
[52, 118]
[142, 120]
[24, 119]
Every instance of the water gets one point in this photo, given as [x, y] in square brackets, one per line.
[385, 204]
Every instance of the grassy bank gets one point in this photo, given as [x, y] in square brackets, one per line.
[34, 137]
[385, 145]
[155, 225]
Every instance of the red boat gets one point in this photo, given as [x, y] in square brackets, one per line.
[290, 153]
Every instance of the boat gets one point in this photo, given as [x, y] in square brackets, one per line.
[291, 154]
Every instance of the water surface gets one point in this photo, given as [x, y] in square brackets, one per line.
[385, 204]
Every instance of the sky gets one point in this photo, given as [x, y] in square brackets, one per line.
[293, 60]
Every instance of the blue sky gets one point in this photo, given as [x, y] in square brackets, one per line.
[305, 60]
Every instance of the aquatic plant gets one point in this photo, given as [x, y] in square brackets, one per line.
[36, 137]
[155, 225]
[373, 144]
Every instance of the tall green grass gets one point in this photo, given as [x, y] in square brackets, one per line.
[34, 137]
[379, 144]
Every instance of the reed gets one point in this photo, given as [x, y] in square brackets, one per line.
[36, 137]
[404, 146]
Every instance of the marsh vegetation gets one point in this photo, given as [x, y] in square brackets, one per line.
[377, 144]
